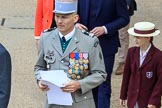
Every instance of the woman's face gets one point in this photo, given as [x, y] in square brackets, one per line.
[141, 41]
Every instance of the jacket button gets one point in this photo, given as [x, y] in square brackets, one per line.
[85, 97]
[137, 90]
[62, 61]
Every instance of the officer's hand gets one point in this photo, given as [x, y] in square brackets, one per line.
[42, 86]
[81, 26]
[151, 106]
[122, 103]
[71, 87]
[98, 31]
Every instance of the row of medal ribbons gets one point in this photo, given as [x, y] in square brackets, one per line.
[78, 65]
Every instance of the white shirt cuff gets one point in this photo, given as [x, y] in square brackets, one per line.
[37, 37]
[105, 29]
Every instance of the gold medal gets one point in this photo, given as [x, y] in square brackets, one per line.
[73, 76]
[77, 64]
[76, 67]
[85, 66]
[76, 72]
[78, 77]
[80, 61]
[71, 61]
[86, 61]
[81, 67]
[76, 61]
[70, 71]
[82, 72]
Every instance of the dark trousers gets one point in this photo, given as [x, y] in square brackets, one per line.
[102, 93]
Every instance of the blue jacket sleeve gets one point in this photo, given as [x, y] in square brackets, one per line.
[122, 17]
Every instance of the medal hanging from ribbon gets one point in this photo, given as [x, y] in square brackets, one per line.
[78, 65]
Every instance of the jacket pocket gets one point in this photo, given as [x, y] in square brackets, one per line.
[78, 97]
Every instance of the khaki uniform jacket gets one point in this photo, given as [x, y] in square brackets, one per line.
[50, 42]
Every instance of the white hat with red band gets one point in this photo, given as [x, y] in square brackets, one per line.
[144, 29]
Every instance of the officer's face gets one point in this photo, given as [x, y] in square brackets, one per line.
[65, 22]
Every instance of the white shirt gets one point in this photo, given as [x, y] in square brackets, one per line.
[68, 36]
[143, 56]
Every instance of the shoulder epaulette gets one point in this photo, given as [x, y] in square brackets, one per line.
[88, 33]
[48, 30]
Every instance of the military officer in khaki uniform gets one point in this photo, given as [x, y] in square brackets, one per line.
[77, 53]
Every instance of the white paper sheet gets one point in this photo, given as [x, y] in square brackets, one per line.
[55, 79]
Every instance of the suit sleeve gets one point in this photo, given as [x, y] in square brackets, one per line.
[38, 18]
[126, 77]
[97, 73]
[122, 17]
[128, 2]
[157, 91]
[5, 77]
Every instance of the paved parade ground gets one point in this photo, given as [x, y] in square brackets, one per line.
[16, 34]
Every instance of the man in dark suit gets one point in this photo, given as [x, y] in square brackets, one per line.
[104, 18]
[124, 39]
[5, 77]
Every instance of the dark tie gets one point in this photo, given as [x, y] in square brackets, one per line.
[63, 39]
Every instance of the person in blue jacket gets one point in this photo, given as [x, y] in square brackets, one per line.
[104, 18]
[124, 39]
[5, 76]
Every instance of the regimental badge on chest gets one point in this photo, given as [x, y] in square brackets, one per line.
[149, 74]
[49, 58]
[78, 65]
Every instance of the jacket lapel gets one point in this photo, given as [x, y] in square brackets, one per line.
[148, 56]
[137, 57]
[56, 43]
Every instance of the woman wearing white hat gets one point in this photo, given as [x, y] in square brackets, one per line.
[142, 78]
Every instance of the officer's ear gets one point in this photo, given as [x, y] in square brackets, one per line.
[76, 17]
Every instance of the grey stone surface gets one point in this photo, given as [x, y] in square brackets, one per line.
[19, 22]
[21, 45]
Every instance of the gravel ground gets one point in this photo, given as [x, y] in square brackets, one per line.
[17, 36]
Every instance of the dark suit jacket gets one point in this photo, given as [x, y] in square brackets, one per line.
[112, 14]
[132, 6]
[5, 77]
[142, 84]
